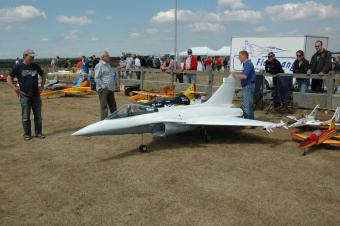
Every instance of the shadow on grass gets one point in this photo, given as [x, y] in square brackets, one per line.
[195, 139]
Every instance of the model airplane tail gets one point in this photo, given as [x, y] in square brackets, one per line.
[315, 110]
[224, 94]
[332, 125]
[190, 92]
[336, 116]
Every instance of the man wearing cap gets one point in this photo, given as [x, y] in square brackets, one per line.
[190, 64]
[27, 74]
[274, 67]
[248, 78]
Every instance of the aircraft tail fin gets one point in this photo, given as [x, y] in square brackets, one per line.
[190, 92]
[315, 110]
[224, 94]
[332, 125]
[336, 116]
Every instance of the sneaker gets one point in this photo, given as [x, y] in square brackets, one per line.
[27, 137]
[41, 136]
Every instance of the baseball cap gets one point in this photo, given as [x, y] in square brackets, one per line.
[271, 54]
[189, 51]
[29, 52]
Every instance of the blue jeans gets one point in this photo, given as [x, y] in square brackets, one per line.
[303, 85]
[191, 78]
[28, 103]
[248, 100]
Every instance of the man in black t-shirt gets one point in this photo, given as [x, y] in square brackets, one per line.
[29, 91]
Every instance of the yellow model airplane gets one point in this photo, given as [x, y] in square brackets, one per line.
[83, 89]
[328, 136]
[166, 92]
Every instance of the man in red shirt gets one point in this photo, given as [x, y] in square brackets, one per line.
[190, 64]
[219, 63]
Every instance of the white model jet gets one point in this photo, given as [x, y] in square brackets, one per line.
[140, 119]
[310, 119]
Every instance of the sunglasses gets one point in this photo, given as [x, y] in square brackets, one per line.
[298, 55]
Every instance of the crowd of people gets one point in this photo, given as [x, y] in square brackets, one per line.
[99, 70]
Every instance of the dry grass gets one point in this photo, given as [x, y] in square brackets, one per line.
[243, 177]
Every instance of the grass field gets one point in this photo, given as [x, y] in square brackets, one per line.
[242, 177]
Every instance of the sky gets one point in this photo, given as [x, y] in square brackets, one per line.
[74, 28]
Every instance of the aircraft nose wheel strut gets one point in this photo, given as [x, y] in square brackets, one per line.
[143, 148]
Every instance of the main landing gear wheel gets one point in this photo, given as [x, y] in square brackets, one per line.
[143, 148]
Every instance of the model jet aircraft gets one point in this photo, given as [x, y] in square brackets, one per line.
[310, 119]
[328, 136]
[139, 119]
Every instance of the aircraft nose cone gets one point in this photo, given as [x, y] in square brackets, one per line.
[90, 130]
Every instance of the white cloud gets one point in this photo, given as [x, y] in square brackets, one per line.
[90, 12]
[73, 20]
[72, 35]
[328, 30]
[205, 27]
[135, 35]
[261, 29]
[21, 13]
[44, 39]
[240, 15]
[309, 10]
[94, 39]
[169, 15]
[231, 4]
[151, 30]
[108, 17]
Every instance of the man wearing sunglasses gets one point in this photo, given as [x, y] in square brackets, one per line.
[321, 64]
[301, 66]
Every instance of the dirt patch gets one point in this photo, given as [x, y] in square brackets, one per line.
[242, 177]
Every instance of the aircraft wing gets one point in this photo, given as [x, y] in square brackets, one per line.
[232, 121]
[333, 142]
[299, 136]
[292, 117]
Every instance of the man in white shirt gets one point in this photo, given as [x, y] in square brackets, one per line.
[105, 85]
[138, 66]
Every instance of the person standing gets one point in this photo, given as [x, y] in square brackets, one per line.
[27, 73]
[248, 78]
[300, 66]
[190, 64]
[321, 64]
[128, 66]
[337, 65]
[105, 85]
[138, 67]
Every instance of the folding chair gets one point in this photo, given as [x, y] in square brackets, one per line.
[282, 95]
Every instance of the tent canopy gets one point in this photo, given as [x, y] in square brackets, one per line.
[206, 51]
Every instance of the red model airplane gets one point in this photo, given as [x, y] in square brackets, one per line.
[318, 137]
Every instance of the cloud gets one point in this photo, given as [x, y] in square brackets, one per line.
[205, 27]
[309, 10]
[240, 15]
[108, 17]
[328, 30]
[90, 12]
[169, 15]
[73, 20]
[231, 4]
[72, 35]
[135, 35]
[151, 30]
[44, 39]
[261, 29]
[21, 13]
[94, 39]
